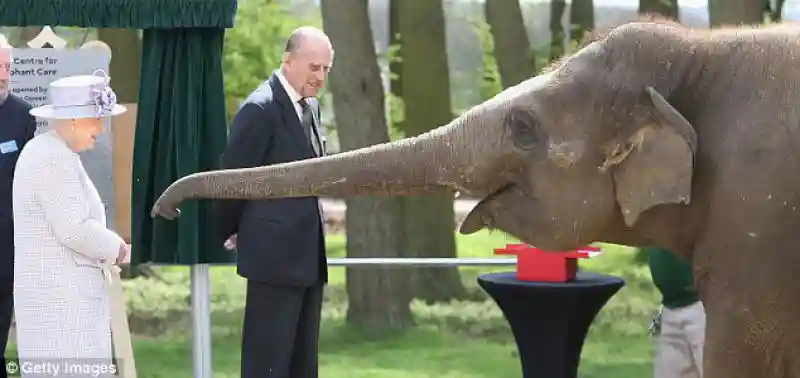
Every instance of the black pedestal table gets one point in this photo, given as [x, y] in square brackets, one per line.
[550, 320]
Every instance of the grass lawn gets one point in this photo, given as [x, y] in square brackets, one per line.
[347, 353]
[451, 341]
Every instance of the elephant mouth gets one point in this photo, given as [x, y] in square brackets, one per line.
[483, 215]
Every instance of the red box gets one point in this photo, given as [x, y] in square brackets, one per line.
[534, 264]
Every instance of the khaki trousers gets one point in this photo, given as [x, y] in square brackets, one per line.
[679, 346]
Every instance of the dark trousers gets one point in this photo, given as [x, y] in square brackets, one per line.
[281, 331]
[6, 313]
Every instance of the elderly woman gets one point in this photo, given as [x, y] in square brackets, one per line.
[63, 249]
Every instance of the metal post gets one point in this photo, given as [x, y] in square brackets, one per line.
[201, 321]
[201, 307]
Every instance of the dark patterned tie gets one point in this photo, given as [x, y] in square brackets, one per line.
[307, 120]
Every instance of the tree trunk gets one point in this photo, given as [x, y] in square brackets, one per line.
[516, 60]
[665, 8]
[581, 19]
[557, 8]
[23, 35]
[378, 298]
[735, 12]
[126, 56]
[429, 220]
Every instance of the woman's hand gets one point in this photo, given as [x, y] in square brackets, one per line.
[124, 253]
[230, 244]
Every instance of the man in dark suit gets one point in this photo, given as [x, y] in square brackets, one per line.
[16, 129]
[280, 243]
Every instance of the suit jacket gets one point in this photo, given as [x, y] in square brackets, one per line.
[279, 240]
[17, 127]
[63, 247]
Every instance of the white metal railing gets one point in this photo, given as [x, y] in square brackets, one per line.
[419, 261]
[201, 306]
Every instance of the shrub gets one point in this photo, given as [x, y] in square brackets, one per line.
[254, 48]
[156, 306]
[162, 304]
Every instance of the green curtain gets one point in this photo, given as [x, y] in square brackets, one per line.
[180, 129]
[123, 14]
[181, 122]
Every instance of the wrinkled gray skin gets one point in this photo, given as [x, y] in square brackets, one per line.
[652, 134]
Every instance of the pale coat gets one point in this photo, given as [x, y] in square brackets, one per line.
[63, 249]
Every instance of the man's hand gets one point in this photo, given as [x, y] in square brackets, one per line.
[124, 255]
[230, 244]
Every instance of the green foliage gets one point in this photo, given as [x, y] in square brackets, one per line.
[155, 305]
[446, 340]
[254, 48]
[395, 104]
[630, 310]
[349, 352]
[491, 83]
[161, 304]
[397, 113]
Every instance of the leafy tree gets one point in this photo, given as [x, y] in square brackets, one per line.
[515, 59]
[254, 48]
[491, 82]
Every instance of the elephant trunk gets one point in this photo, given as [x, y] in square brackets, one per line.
[418, 165]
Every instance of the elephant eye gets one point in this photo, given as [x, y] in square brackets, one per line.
[526, 129]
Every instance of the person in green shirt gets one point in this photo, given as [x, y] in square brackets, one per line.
[679, 327]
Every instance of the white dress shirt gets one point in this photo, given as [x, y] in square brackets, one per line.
[293, 95]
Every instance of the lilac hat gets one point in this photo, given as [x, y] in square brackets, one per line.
[80, 96]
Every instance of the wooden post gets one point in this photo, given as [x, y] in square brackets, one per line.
[120, 330]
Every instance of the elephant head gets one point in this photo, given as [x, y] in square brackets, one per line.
[590, 143]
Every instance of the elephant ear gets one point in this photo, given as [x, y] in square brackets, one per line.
[655, 164]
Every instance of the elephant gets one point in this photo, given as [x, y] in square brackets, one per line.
[651, 133]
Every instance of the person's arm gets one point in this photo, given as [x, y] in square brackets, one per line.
[248, 142]
[61, 194]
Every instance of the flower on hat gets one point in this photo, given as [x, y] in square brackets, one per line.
[104, 96]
